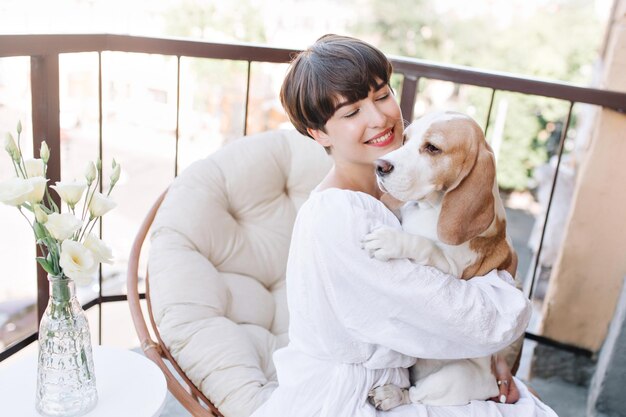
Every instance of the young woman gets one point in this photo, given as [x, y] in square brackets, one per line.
[355, 322]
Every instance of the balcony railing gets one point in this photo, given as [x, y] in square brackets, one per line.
[44, 52]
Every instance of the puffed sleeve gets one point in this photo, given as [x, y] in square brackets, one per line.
[413, 309]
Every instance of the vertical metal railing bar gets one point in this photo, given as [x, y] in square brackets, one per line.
[407, 97]
[493, 95]
[553, 187]
[100, 156]
[245, 116]
[46, 126]
[177, 115]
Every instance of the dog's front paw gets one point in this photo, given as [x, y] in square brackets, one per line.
[383, 244]
[387, 397]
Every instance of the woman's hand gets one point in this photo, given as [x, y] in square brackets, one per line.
[509, 394]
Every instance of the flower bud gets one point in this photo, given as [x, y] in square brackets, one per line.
[11, 148]
[40, 215]
[90, 172]
[19, 127]
[115, 175]
[44, 152]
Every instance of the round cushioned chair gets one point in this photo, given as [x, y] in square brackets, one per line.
[216, 270]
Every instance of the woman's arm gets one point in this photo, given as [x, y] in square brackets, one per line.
[413, 309]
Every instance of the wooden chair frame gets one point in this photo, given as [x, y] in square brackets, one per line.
[189, 396]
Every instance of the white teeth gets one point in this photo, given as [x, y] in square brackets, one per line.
[380, 139]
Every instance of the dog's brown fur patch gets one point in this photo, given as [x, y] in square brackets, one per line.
[494, 253]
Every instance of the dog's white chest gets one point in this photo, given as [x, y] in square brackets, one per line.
[420, 219]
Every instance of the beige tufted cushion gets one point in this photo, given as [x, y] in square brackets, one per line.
[217, 263]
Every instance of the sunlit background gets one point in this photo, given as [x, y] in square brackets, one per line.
[558, 40]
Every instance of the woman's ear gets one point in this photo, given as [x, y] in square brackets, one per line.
[320, 137]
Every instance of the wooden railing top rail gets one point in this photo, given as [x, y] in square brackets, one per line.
[30, 45]
[510, 82]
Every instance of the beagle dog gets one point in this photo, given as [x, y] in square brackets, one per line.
[442, 184]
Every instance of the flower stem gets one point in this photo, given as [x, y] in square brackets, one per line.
[94, 223]
[53, 207]
[55, 252]
[82, 216]
[19, 208]
[21, 163]
[89, 198]
[17, 174]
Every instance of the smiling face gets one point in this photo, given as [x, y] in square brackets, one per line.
[360, 132]
[434, 157]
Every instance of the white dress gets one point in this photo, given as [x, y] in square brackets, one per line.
[356, 322]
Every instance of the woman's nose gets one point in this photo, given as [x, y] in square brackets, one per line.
[376, 116]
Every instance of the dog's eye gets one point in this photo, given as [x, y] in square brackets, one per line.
[432, 149]
[403, 139]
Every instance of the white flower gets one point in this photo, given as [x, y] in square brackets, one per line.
[100, 205]
[39, 189]
[34, 168]
[15, 191]
[90, 172]
[76, 260]
[44, 152]
[70, 192]
[62, 226]
[100, 251]
[40, 215]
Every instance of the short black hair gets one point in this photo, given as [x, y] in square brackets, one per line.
[334, 68]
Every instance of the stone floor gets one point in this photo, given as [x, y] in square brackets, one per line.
[566, 399]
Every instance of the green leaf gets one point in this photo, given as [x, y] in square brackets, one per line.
[40, 231]
[45, 265]
[51, 204]
[54, 206]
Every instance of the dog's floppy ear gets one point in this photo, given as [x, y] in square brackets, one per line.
[467, 208]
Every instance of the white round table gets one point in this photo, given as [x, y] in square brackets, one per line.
[128, 384]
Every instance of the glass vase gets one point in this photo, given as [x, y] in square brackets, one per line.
[66, 383]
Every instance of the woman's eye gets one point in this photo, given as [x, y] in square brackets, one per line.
[352, 113]
[381, 98]
[430, 148]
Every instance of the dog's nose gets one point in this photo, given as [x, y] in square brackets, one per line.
[383, 167]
